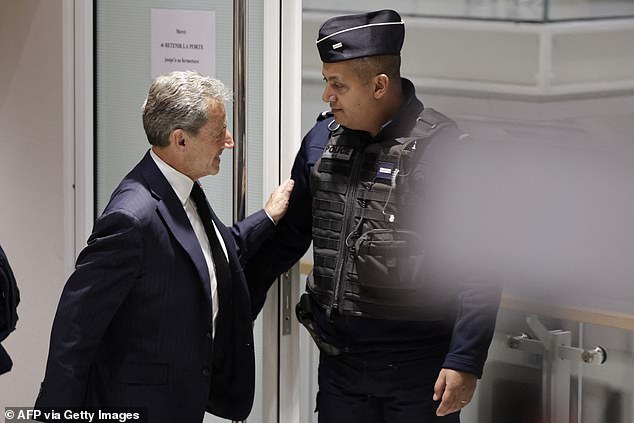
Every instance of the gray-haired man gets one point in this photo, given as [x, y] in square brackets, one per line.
[157, 313]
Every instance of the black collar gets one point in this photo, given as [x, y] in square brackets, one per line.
[405, 119]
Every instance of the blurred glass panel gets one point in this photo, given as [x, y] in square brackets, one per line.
[506, 10]
[606, 393]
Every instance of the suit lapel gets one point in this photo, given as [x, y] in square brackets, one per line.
[173, 214]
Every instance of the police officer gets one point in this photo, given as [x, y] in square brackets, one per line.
[396, 345]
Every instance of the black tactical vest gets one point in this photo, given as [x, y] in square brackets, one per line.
[368, 253]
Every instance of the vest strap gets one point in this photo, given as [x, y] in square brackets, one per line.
[328, 186]
[329, 262]
[381, 196]
[325, 243]
[328, 205]
[371, 214]
[329, 224]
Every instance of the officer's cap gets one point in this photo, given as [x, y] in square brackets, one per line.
[367, 34]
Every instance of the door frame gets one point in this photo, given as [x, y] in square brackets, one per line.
[78, 127]
[282, 82]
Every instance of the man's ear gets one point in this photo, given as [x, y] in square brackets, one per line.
[381, 84]
[178, 138]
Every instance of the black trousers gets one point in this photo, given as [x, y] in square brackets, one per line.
[354, 390]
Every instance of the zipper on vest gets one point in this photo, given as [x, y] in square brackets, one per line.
[345, 252]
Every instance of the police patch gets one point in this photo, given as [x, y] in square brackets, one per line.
[337, 152]
[384, 171]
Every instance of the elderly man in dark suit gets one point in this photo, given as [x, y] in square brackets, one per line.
[157, 312]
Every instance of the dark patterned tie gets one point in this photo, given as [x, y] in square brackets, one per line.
[223, 272]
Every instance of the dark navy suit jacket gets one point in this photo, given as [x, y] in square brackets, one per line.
[133, 325]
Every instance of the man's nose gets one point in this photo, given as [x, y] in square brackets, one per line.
[229, 140]
[327, 96]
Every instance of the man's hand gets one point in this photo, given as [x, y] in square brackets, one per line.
[278, 201]
[455, 389]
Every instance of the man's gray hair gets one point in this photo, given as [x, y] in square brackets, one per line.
[179, 100]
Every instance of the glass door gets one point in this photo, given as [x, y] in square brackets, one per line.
[123, 73]
[122, 77]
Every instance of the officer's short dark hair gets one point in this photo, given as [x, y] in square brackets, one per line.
[368, 67]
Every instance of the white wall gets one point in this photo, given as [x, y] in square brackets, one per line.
[31, 182]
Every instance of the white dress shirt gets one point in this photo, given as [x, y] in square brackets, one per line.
[182, 186]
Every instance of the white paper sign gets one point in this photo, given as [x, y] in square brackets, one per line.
[183, 40]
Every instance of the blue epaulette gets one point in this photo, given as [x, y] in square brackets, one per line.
[324, 115]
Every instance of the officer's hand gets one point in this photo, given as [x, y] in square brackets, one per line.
[454, 389]
[278, 201]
